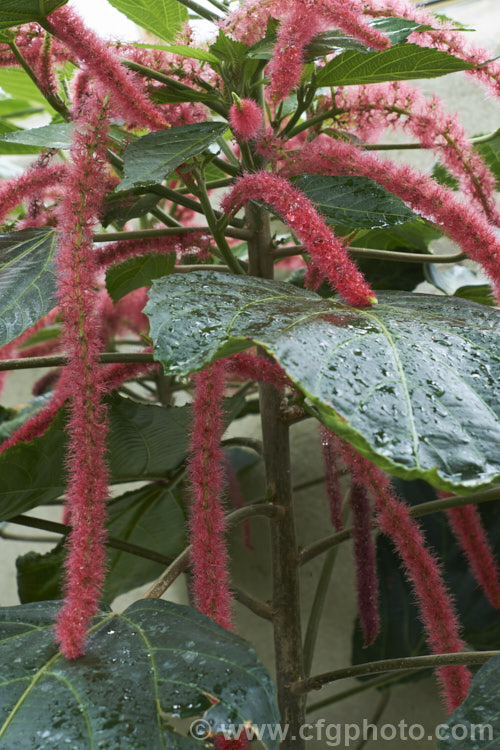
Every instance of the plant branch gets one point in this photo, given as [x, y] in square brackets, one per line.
[144, 234]
[365, 252]
[64, 530]
[434, 506]
[55, 102]
[182, 561]
[391, 665]
[384, 679]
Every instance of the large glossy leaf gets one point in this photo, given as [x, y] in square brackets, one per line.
[141, 671]
[162, 18]
[145, 443]
[14, 12]
[150, 517]
[354, 201]
[413, 382]
[154, 156]
[48, 136]
[122, 278]
[476, 723]
[399, 63]
[27, 280]
[401, 631]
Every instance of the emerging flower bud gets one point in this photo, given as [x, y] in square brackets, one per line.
[245, 118]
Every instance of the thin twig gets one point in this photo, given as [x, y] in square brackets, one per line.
[182, 561]
[391, 665]
[366, 252]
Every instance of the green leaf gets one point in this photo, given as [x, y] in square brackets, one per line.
[490, 151]
[154, 156]
[229, 50]
[397, 29]
[18, 84]
[476, 723]
[400, 63]
[122, 208]
[6, 130]
[14, 12]
[401, 631]
[122, 278]
[48, 136]
[354, 201]
[27, 280]
[9, 107]
[145, 443]
[194, 53]
[413, 382]
[414, 236]
[142, 669]
[480, 293]
[163, 18]
[11, 419]
[150, 517]
[172, 95]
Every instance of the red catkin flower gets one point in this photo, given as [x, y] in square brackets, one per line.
[84, 191]
[261, 369]
[366, 562]
[328, 253]
[31, 183]
[471, 535]
[442, 36]
[421, 568]
[370, 109]
[207, 520]
[332, 476]
[245, 119]
[462, 223]
[105, 67]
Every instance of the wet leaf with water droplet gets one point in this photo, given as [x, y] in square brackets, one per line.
[132, 682]
[413, 382]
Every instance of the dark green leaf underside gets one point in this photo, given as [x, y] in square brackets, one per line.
[477, 719]
[150, 517]
[154, 156]
[13, 12]
[354, 201]
[398, 63]
[123, 278]
[413, 382]
[143, 668]
[27, 280]
[48, 136]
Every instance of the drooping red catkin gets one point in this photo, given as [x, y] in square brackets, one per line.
[372, 108]
[470, 534]
[366, 562]
[31, 183]
[105, 67]
[245, 119]
[295, 33]
[84, 192]
[421, 568]
[461, 222]
[332, 476]
[443, 36]
[329, 254]
[207, 521]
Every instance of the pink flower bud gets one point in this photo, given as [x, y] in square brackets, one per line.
[245, 119]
